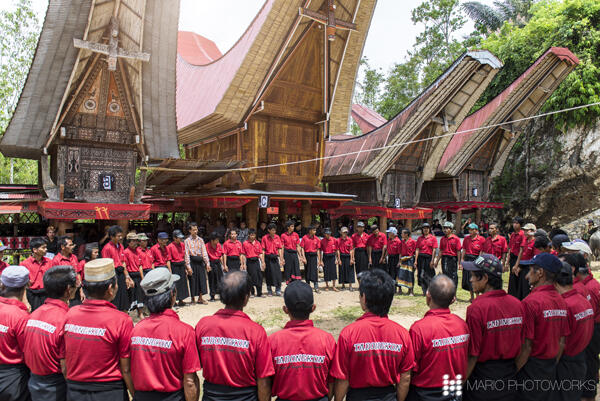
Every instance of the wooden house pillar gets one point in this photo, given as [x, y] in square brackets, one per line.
[231, 214]
[282, 216]
[124, 224]
[383, 222]
[251, 214]
[62, 226]
[458, 220]
[478, 216]
[409, 224]
[306, 213]
[262, 216]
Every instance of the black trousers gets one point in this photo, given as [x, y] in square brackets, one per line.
[233, 263]
[215, 275]
[324, 398]
[136, 294]
[518, 286]
[535, 371]
[392, 266]
[361, 260]
[466, 275]
[346, 270]
[310, 269]
[592, 364]
[36, 298]
[431, 394]
[181, 284]
[375, 258]
[13, 383]
[570, 370]
[291, 268]
[96, 391]
[217, 392]
[121, 300]
[491, 381]
[273, 271]
[253, 266]
[159, 396]
[329, 267]
[372, 394]
[450, 268]
[198, 278]
[48, 388]
[424, 271]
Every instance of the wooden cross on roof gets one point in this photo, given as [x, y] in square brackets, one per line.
[329, 19]
[112, 49]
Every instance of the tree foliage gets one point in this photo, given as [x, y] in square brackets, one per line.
[491, 18]
[19, 32]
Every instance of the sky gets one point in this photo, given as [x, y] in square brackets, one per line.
[391, 34]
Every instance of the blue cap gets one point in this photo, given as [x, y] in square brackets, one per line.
[392, 230]
[162, 235]
[546, 261]
[473, 226]
[15, 276]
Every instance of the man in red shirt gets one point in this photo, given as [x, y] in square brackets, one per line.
[545, 327]
[291, 249]
[37, 264]
[133, 266]
[394, 249]
[114, 250]
[329, 259]
[255, 258]
[44, 345]
[345, 256]
[406, 273]
[233, 256]
[164, 357]
[97, 339]
[495, 321]
[3, 264]
[159, 252]
[143, 252]
[302, 354]
[215, 269]
[449, 248]
[496, 245]
[273, 249]
[234, 351]
[376, 246]
[514, 247]
[440, 341]
[571, 367]
[374, 356]
[520, 269]
[13, 318]
[427, 244]
[176, 252]
[65, 257]
[196, 259]
[472, 247]
[311, 257]
[359, 240]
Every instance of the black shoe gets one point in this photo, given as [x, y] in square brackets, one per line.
[269, 293]
[278, 293]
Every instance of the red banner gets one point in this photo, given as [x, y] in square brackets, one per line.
[98, 211]
[16, 242]
[466, 205]
[365, 212]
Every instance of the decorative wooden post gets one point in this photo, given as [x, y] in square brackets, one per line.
[251, 211]
[306, 214]
[478, 216]
[383, 221]
[282, 211]
[458, 221]
[124, 224]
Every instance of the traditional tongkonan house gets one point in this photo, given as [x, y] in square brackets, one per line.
[273, 98]
[386, 167]
[98, 103]
[473, 158]
[367, 119]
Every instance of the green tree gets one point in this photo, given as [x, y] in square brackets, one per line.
[19, 32]
[491, 18]
[369, 87]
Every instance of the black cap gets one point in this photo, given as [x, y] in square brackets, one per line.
[425, 225]
[546, 261]
[558, 240]
[298, 296]
[485, 263]
[178, 234]
[327, 231]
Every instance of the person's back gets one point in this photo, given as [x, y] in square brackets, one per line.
[302, 354]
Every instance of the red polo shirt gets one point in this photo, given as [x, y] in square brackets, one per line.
[44, 345]
[159, 255]
[409, 247]
[580, 317]
[594, 288]
[97, 335]
[426, 245]
[515, 242]
[345, 245]
[271, 245]
[13, 318]
[545, 321]
[377, 242]
[114, 252]
[163, 349]
[145, 258]
[36, 271]
[473, 246]
[234, 350]
[360, 241]
[176, 252]
[214, 253]
[372, 352]
[328, 245]
[441, 341]
[581, 289]
[132, 260]
[528, 248]
[252, 249]
[60, 260]
[394, 246]
[302, 357]
[495, 246]
[495, 321]
[310, 244]
[450, 246]
[3, 265]
[290, 241]
[231, 248]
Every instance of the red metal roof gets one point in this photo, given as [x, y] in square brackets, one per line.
[196, 49]
[366, 118]
[478, 118]
[466, 205]
[366, 211]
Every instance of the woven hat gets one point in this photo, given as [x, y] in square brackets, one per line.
[132, 236]
[98, 270]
